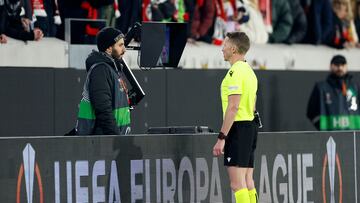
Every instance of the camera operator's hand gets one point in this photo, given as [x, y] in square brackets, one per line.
[38, 34]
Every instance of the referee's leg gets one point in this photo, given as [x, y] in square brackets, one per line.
[237, 176]
[249, 173]
[251, 185]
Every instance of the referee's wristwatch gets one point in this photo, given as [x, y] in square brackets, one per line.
[222, 136]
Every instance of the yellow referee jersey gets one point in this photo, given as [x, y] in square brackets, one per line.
[240, 79]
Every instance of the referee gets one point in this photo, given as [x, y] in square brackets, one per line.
[238, 134]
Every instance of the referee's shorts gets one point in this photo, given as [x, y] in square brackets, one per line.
[240, 144]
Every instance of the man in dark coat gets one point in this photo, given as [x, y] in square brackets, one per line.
[14, 25]
[282, 21]
[299, 28]
[333, 104]
[320, 21]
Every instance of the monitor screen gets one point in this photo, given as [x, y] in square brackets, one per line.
[135, 91]
[162, 44]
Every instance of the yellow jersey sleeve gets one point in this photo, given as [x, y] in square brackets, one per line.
[234, 82]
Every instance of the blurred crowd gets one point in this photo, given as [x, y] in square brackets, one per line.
[335, 23]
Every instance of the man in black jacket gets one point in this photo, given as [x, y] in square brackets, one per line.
[333, 104]
[15, 26]
[104, 108]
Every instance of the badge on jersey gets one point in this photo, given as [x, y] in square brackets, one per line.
[233, 88]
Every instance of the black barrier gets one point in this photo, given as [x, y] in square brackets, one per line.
[44, 101]
[112, 168]
[289, 167]
[306, 167]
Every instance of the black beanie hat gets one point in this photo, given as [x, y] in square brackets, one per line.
[338, 60]
[107, 37]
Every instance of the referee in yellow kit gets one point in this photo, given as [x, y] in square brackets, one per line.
[238, 134]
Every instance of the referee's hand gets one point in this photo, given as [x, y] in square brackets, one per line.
[219, 148]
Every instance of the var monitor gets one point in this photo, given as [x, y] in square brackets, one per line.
[162, 44]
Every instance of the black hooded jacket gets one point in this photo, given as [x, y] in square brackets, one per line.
[107, 94]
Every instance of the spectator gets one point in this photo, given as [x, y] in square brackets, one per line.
[305, 4]
[109, 10]
[45, 15]
[15, 26]
[230, 9]
[219, 23]
[265, 10]
[357, 19]
[333, 104]
[282, 21]
[254, 25]
[146, 10]
[320, 21]
[27, 14]
[94, 10]
[130, 11]
[351, 19]
[203, 20]
[190, 8]
[90, 7]
[163, 11]
[3, 38]
[70, 9]
[168, 10]
[353, 5]
[341, 35]
[299, 28]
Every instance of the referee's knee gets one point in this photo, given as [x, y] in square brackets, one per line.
[237, 185]
[250, 183]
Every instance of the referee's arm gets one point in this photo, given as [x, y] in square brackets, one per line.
[230, 113]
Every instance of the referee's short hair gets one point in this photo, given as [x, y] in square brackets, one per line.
[240, 40]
